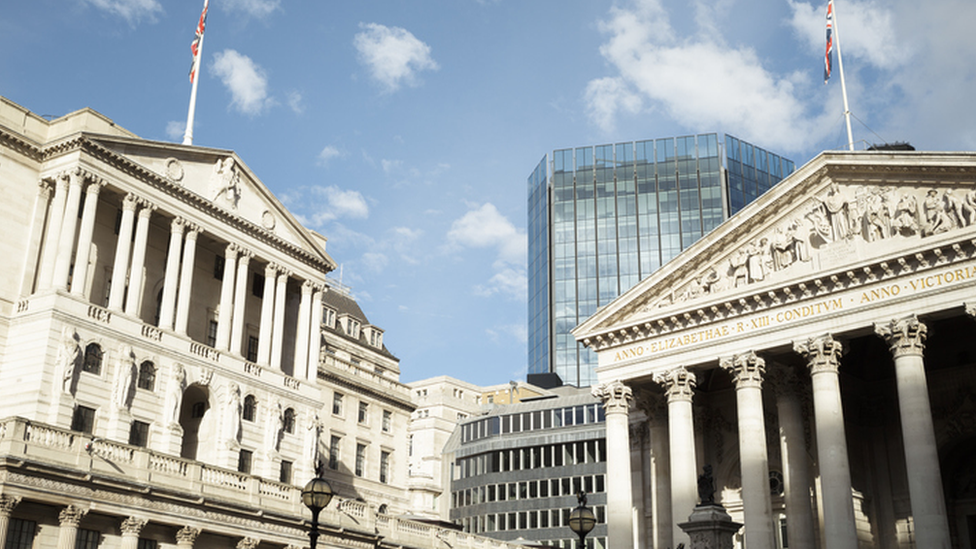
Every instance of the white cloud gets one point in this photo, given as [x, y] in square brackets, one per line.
[245, 80]
[866, 29]
[607, 96]
[295, 102]
[328, 153]
[391, 166]
[132, 11]
[485, 227]
[253, 8]
[342, 203]
[393, 55]
[375, 261]
[175, 129]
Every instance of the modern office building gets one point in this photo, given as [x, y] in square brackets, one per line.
[516, 470]
[818, 351]
[602, 218]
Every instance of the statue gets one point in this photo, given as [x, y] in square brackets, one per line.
[276, 422]
[233, 412]
[706, 487]
[838, 212]
[936, 219]
[225, 182]
[906, 216]
[174, 395]
[68, 355]
[124, 378]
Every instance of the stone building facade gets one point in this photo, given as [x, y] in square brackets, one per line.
[817, 350]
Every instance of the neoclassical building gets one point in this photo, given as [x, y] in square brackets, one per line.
[174, 362]
[818, 352]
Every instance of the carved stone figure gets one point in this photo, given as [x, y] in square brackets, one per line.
[838, 212]
[174, 395]
[956, 208]
[276, 422]
[969, 207]
[936, 219]
[706, 486]
[739, 268]
[877, 219]
[233, 412]
[124, 378]
[756, 260]
[68, 355]
[906, 216]
[225, 182]
[312, 441]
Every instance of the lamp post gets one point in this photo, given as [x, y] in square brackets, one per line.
[316, 496]
[581, 519]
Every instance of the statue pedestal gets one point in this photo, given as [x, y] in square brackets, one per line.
[709, 526]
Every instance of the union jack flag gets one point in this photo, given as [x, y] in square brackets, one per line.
[195, 45]
[829, 53]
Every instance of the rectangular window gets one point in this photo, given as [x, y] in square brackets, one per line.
[244, 461]
[360, 460]
[387, 421]
[147, 544]
[87, 539]
[139, 434]
[328, 317]
[20, 534]
[218, 267]
[337, 404]
[212, 333]
[385, 467]
[334, 452]
[363, 413]
[257, 285]
[83, 420]
[252, 348]
[285, 473]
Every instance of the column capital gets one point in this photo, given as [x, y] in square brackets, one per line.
[905, 336]
[244, 255]
[192, 230]
[822, 353]
[61, 180]
[71, 515]
[285, 273]
[747, 369]
[130, 202]
[147, 208]
[271, 270]
[679, 384]
[177, 226]
[248, 543]
[95, 186]
[7, 504]
[308, 287]
[615, 395]
[230, 252]
[187, 534]
[133, 525]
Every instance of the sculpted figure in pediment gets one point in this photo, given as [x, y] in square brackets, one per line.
[838, 209]
[877, 217]
[937, 218]
[969, 207]
[225, 183]
[906, 216]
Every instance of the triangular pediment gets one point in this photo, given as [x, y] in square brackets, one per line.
[840, 219]
[220, 179]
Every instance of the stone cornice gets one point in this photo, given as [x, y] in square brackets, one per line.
[911, 261]
[87, 144]
[343, 380]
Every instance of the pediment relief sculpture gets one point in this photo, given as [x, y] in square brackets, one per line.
[225, 183]
[837, 221]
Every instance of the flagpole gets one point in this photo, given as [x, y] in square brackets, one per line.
[188, 136]
[843, 86]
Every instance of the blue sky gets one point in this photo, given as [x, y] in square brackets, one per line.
[405, 131]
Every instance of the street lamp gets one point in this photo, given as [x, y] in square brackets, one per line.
[581, 519]
[316, 496]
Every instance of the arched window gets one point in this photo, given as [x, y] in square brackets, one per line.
[250, 408]
[147, 376]
[93, 359]
[289, 420]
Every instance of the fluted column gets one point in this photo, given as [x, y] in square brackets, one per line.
[278, 337]
[823, 359]
[657, 416]
[133, 299]
[226, 307]
[53, 232]
[792, 442]
[7, 504]
[130, 532]
[679, 386]
[616, 399]
[240, 299]
[302, 337]
[122, 248]
[167, 307]
[186, 537]
[267, 315]
[70, 518]
[186, 278]
[906, 338]
[314, 334]
[80, 275]
[747, 372]
[66, 238]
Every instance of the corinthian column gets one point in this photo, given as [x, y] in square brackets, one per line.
[792, 442]
[278, 337]
[240, 298]
[679, 387]
[659, 470]
[747, 372]
[7, 504]
[66, 238]
[906, 338]
[302, 335]
[130, 532]
[186, 536]
[167, 307]
[186, 278]
[51, 234]
[267, 315]
[80, 275]
[226, 308]
[314, 334]
[70, 518]
[616, 399]
[133, 297]
[823, 359]
[122, 248]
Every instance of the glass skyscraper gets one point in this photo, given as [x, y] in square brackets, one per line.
[603, 217]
